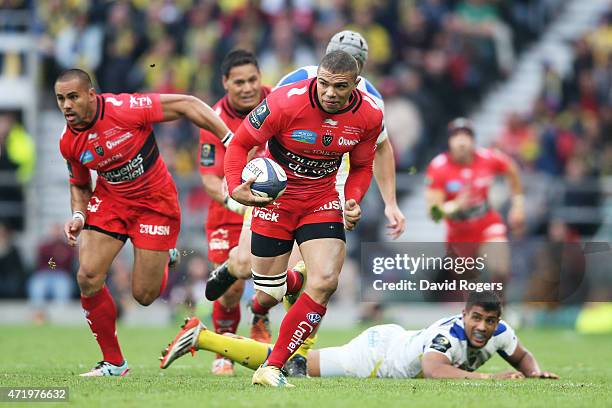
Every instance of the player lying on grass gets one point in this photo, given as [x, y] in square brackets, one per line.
[453, 347]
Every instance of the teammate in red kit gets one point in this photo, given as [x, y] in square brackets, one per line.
[308, 126]
[242, 82]
[458, 187]
[134, 197]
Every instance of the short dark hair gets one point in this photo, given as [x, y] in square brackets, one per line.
[237, 58]
[73, 73]
[338, 62]
[487, 299]
[461, 124]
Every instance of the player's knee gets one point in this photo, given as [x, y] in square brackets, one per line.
[325, 283]
[89, 280]
[145, 296]
[240, 265]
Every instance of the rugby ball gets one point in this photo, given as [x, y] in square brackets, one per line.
[271, 178]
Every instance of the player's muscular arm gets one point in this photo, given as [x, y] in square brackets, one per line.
[384, 173]
[214, 187]
[358, 181]
[437, 365]
[435, 201]
[196, 111]
[526, 363]
[516, 216]
[79, 197]
[439, 208]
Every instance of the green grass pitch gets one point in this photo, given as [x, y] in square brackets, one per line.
[53, 356]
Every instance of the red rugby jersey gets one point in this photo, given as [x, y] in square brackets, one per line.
[212, 154]
[476, 177]
[309, 142]
[119, 144]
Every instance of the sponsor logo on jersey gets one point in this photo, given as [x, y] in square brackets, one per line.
[155, 229]
[258, 115]
[440, 343]
[140, 102]
[219, 240]
[454, 186]
[86, 157]
[313, 317]
[347, 142]
[92, 136]
[332, 205]
[304, 136]
[93, 204]
[111, 132]
[111, 144]
[207, 154]
[216, 244]
[297, 91]
[482, 182]
[352, 130]
[304, 167]
[299, 335]
[327, 140]
[110, 160]
[221, 232]
[330, 122]
[113, 101]
[129, 171]
[466, 173]
[265, 214]
[321, 152]
[99, 150]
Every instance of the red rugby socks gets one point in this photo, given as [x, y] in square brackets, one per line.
[101, 314]
[225, 320]
[300, 322]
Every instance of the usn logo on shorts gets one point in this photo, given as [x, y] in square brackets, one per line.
[155, 229]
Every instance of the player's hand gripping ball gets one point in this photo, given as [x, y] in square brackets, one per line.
[271, 179]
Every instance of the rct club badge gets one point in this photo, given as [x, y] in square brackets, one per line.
[327, 140]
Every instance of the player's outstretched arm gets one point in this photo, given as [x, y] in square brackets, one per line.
[79, 197]
[435, 202]
[525, 362]
[177, 106]
[384, 173]
[516, 215]
[437, 365]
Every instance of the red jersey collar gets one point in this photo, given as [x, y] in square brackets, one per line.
[233, 113]
[354, 103]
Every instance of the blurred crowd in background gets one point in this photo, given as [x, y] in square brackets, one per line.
[431, 59]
